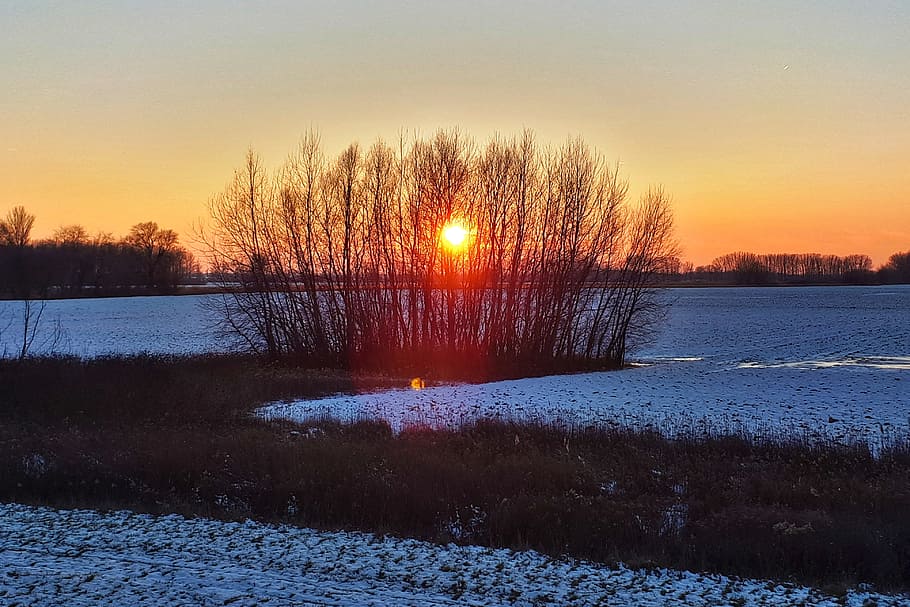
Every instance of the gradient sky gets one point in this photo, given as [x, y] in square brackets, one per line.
[775, 126]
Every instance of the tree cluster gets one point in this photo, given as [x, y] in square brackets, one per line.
[751, 268]
[344, 258]
[73, 264]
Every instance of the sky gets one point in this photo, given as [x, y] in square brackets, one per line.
[775, 126]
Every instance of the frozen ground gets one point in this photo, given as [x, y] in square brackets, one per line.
[831, 363]
[117, 325]
[869, 404]
[80, 558]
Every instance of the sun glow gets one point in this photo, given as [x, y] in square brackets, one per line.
[454, 236]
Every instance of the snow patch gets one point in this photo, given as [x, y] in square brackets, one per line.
[82, 558]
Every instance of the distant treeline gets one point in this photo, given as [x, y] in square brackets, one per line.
[795, 268]
[147, 260]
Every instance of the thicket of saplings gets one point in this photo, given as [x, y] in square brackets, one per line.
[344, 259]
[175, 435]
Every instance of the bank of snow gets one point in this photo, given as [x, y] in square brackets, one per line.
[865, 402]
[78, 557]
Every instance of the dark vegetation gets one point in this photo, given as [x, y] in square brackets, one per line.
[742, 268]
[897, 270]
[346, 258]
[175, 435]
[147, 261]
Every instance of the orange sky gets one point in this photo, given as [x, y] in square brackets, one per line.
[774, 128]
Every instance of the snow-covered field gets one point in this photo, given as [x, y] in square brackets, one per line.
[117, 325]
[830, 363]
[80, 557]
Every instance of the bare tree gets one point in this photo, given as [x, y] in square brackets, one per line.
[70, 235]
[16, 229]
[32, 312]
[242, 247]
[154, 245]
[650, 249]
[897, 270]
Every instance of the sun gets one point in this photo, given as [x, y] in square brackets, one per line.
[454, 236]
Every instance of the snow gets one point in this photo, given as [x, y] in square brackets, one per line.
[823, 362]
[117, 325]
[674, 398]
[826, 363]
[80, 557]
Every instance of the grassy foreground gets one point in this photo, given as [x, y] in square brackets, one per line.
[175, 435]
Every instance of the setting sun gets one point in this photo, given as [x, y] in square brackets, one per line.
[454, 235]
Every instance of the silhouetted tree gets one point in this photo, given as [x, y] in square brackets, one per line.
[16, 229]
[70, 235]
[157, 249]
[15, 263]
[897, 270]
